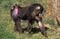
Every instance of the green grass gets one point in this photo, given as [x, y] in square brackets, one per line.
[7, 24]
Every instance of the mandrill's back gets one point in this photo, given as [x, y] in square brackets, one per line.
[28, 12]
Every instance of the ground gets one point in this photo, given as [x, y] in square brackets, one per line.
[7, 26]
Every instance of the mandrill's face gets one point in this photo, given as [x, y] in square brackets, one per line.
[36, 11]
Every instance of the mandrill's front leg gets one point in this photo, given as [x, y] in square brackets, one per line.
[42, 28]
[18, 25]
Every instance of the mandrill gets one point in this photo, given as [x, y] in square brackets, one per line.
[30, 13]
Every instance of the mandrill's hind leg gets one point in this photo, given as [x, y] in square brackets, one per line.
[18, 26]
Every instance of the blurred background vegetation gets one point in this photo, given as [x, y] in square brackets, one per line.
[7, 24]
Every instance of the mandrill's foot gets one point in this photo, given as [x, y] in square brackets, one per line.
[15, 29]
[43, 31]
[18, 30]
[29, 30]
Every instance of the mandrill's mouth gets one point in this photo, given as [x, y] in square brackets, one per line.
[38, 17]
